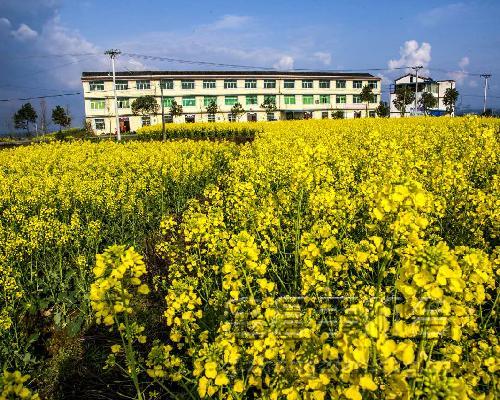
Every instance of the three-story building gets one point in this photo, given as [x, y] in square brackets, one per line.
[296, 95]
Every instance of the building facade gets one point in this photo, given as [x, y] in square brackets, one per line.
[297, 95]
[425, 84]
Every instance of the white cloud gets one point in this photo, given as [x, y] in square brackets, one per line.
[228, 22]
[24, 32]
[412, 54]
[463, 62]
[324, 57]
[441, 14]
[4, 23]
[284, 63]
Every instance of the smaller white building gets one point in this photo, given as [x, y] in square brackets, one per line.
[425, 84]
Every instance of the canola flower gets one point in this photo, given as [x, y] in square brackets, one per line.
[12, 387]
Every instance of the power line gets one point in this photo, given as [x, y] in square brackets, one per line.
[42, 97]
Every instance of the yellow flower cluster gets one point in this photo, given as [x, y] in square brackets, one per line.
[342, 259]
[12, 387]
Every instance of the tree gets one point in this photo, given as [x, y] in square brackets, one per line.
[404, 96]
[60, 117]
[449, 99]
[269, 104]
[212, 108]
[24, 116]
[338, 114]
[487, 113]
[366, 96]
[175, 109]
[383, 110]
[427, 101]
[237, 110]
[145, 105]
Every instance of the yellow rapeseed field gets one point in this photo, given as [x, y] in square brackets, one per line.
[325, 260]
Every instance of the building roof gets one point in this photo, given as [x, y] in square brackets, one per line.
[425, 78]
[106, 74]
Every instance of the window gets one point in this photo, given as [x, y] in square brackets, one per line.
[167, 84]
[211, 118]
[209, 84]
[270, 117]
[250, 84]
[189, 118]
[307, 99]
[231, 117]
[141, 85]
[230, 100]
[372, 84]
[146, 121]
[356, 98]
[269, 84]
[307, 84]
[374, 99]
[324, 99]
[308, 115]
[121, 85]
[168, 118]
[97, 104]
[324, 114]
[207, 100]
[230, 84]
[289, 99]
[340, 84]
[167, 101]
[96, 85]
[251, 100]
[357, 84]
[341, 99]
[371, 114]
[252, 117]
[123, 102]
[188, 101]
[187, 84]
[99, 124]
[270, 99]
[289, 84]
[324, 84]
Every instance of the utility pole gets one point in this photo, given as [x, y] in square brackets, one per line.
[162, 113]
[486, 77]
[112, 53]
[416, 84]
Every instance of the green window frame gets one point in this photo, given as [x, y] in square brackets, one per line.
[307, 84]
[341, 99]
[96, 85]
[374, 99]
[97, 104]
[289, 84]
[207, 100]
[340, 84]
[324, 84]
[251, 100]
[290, 99]
[324, 99]
[167, 101]
[230, 100]
[167, 84]
[250, 83]
[356, 99]
[123, 102]
[188, 101]
[187, 84]
[269, 83]
[143, 84]
[307, 99]
[272, 97]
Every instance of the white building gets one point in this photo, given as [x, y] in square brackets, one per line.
[425, 84]
[297, 95]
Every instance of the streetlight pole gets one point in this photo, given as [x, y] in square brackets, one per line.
[162, 113]
[486, 77]
[112, 54]
[416, 85]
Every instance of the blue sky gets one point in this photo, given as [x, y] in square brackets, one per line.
[46, 44]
